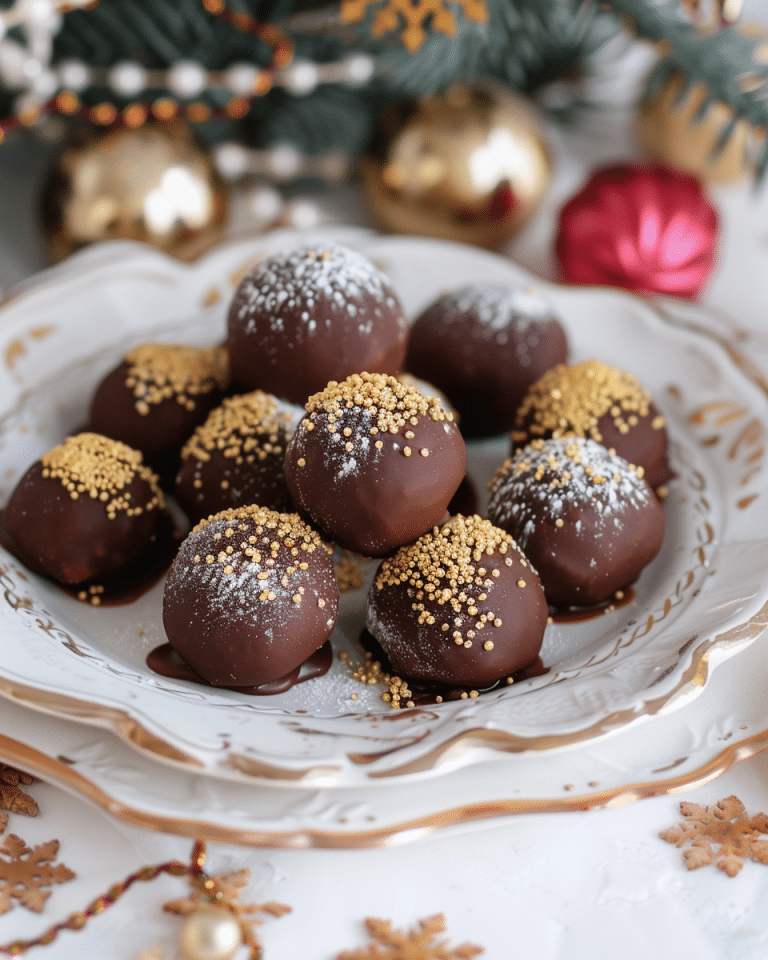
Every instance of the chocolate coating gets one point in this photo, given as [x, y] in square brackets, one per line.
[483, 345]
[250, 596]
[157, 395]
[318, 313]
[84, 510]
[588, 522]
[374, 463]
[236, 457]
[592, 399]
[460, 606]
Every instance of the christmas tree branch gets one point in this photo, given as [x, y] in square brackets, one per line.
[725, 61]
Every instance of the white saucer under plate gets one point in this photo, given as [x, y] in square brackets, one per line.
[702, 600]
[682, 750]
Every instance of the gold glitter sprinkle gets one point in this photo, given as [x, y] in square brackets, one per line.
[395, 403]
[91, 465]
[247, 427]
[570, 400]
[164, 371]
[441, 568]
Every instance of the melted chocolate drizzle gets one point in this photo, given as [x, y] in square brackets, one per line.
[164, 661]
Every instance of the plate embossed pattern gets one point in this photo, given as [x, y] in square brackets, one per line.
[698, 603]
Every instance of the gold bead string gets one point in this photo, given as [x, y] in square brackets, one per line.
[78, 920]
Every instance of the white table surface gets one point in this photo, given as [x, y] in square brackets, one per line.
[563, 886]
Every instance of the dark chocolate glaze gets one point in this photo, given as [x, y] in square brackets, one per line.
[483, 346]
[425, 693]
[408, 624]
[580, 614]
[465, 499]
[308, 316]
[642, 440]
[243, 467]
[161, 432]
[586, 538]
[164, 661]
[367, 500]
[74, 541]
[241, 612]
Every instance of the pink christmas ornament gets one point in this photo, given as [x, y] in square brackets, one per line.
[640, 226]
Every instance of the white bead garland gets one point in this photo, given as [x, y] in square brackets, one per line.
[280, 163]
[26, 69]
[127, 78]
[73, 75]
[299, 78]
[241, 78]
[187, 79]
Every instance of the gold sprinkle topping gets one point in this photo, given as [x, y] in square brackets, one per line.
[570, 400]
[278, 532]
[94, 466]
[164, 371]
[441, 568]
[392, 403]
[244, 428]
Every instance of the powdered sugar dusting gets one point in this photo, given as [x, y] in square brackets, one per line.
[341, 277]
[549, 478]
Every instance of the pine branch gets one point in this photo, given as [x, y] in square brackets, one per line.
[724, 61]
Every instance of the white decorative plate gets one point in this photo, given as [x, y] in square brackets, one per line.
[682, 750]
[698, 603]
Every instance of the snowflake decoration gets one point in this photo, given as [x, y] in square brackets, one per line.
[418, 944]
[392, 13]
[722, 835]
[25, 872]
[12, 796]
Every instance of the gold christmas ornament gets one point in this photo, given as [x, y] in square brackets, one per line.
[672, 128]
[468, 164]
[153, 184]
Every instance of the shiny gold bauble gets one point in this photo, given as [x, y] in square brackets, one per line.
[152, 184]
[210, 933]
[673, 129]
[468, 164]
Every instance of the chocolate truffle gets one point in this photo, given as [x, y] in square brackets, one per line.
[84, 510]
[585, 518]
[374, 463]
[483, 345]
[157, 395]
[461, 606]
[236, 457]
[318, 313]
[250, 596]
[592, 399]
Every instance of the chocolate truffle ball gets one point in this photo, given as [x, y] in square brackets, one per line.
[318, 313]
[461, 606]
[157, 395]
[84, 510]
[483, 345]
[374, 463]
[586, 519]
[592, 399]
[236, 457]
[250, 596]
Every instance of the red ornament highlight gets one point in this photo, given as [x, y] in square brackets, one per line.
[642, 227]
